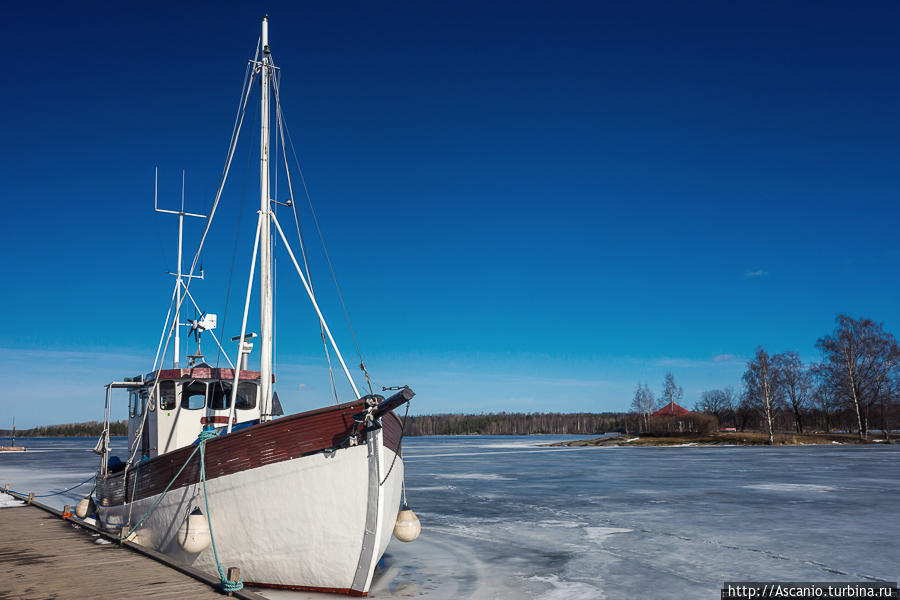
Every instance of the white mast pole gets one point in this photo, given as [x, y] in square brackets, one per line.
[265, 243]
[178, 277]
[237, 368]
[315, 304]
[179, 274]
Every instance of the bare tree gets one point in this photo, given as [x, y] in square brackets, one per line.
[889, 398]
[860, 359]
[671, 394]
[797, 384]
[643, 404]
[743, 412]
[762, 382]
[716, 402]
[823, 398]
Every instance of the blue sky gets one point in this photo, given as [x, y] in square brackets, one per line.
[528, 206]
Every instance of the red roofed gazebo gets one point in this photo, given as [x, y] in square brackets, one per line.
[671, 410]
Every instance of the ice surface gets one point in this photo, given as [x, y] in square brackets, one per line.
[7, 502]
[503, 517]
[791, 487]
[599, 534]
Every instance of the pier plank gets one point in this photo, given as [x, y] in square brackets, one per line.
[43, 556]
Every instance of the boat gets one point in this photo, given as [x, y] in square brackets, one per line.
[12, 442]
[216, 476]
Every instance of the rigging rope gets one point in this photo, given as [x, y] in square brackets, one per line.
[239, 120]
[236, 237]
[283, 122]
[279, 119]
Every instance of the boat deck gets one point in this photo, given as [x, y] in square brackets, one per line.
[45, 556]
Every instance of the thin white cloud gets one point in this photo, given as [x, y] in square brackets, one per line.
[691, 363]
[756, 273]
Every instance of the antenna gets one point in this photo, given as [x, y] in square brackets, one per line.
[179, 276]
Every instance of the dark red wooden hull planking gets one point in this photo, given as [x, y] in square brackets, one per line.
[393, 431]
[283, 439]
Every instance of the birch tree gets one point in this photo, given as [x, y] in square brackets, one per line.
[797, 384]
[671, 394]
[860, 360]
[643, 404]
[762, 383]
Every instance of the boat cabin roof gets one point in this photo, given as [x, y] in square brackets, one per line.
[200, 372]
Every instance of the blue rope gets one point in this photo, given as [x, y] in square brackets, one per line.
[58, 493]
[207, 433]
[227, 585]
[164, 492]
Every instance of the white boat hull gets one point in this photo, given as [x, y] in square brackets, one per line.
[297, 524]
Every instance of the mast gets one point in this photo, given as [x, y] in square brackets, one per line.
[178, 277]
[265, 240]
[178, 274]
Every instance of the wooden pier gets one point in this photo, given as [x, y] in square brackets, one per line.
[43, 555]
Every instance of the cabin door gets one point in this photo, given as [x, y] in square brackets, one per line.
[145, 435]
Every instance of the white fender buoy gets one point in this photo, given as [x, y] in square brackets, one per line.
[84, 507]
[193, 535]
[407, 527]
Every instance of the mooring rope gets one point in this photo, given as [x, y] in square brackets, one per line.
[227, 585]
[161, 496]
[208, 433]
[57, 493]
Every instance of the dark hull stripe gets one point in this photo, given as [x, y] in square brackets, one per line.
[283, 439]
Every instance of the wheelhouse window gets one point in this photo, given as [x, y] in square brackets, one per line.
[133, 405]
[193, 395]
[246, 396]
[167, 395]
[220, 395]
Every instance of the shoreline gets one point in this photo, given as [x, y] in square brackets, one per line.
[728, 439]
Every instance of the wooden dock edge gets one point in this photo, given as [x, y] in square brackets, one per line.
[148, 552]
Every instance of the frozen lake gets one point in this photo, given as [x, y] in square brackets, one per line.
[505, 518]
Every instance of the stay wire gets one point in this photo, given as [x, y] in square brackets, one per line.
[279, 116]
[362, 364]
[236, 236]
[229, 155]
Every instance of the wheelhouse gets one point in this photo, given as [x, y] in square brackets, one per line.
[168, 408]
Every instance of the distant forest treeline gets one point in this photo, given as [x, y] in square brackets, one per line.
[515, 424]
[456, 424]
[86, 429]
